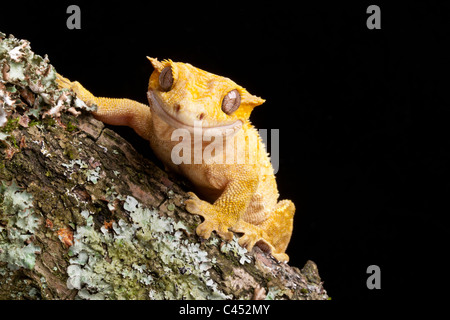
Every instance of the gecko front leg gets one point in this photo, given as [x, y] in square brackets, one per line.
[228, 209]
[119, 112]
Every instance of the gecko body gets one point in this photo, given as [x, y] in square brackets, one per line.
[238, 195]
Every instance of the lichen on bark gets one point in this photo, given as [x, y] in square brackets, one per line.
[84, 216]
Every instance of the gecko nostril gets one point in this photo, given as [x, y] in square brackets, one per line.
[201, 116]
[177, 108]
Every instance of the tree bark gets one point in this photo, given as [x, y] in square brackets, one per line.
[84, 216]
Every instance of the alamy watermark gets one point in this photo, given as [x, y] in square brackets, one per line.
[225, 146]
[374, 280]
[74, 20]
[374, 20]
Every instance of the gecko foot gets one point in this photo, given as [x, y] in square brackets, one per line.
[76, 87]
[254, 235]
[214, 220]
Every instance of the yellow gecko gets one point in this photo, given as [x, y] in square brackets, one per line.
[240, 196]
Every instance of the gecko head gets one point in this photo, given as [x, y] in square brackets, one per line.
[181, 94]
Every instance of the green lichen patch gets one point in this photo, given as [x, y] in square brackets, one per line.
[18, 222]
[148, 257]
[28, 86]
[10, 125]
[70, 127]
[235, 249]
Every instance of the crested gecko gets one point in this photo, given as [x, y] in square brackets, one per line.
[233, 196]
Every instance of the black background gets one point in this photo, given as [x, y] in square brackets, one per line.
[363, 114]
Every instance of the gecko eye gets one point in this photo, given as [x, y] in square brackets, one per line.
[166, 79]
[231, 102]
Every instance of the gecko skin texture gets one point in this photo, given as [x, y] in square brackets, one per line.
[233, 196]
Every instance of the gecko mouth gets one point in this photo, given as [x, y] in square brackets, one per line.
[156, 107]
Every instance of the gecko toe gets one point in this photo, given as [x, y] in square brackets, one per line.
[205, 229]
[247, 242]
[225, 234]
[192, 206]
[192, 195]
